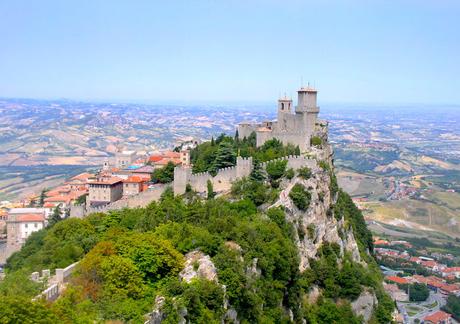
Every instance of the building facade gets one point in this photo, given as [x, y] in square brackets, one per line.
[104, 191]
[21, 223]
[124, 159]
[295, 127]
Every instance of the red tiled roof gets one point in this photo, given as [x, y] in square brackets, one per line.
[437, 317]
[430, 264]
[155, 158]
[452, 269]
[30, 218]
[82, 176]
[450, 288]
[109, 181]
[172, 154]
[167, 160]
[397, 279]
[134, 179]
[65, 198]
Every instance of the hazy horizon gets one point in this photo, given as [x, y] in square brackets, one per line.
[208, 51]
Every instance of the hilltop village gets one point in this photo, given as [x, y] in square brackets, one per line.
[127, 180]
[289, 164]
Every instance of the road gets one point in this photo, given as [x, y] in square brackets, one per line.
[423, 306]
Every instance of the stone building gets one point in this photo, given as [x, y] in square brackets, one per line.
[133, 186]
[104, 190]
[124, 159]
[292, 127]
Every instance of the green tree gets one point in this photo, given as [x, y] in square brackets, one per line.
[164, 174]
[418, 292]
[255, 191]
[210, 189]
[81, 200]
[275, 171]
[225, 156]
[55, 216]
[16, 309]
[257, 173]
[41, 200]
[300, 196]
[453, 306]
[18, 283]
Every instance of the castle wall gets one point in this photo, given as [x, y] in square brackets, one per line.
[199, 183]
[222, 181]
[295, 162]
[244, 130]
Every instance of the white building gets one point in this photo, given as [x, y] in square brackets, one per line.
[21, 223]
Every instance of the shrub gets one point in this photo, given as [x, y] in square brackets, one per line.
[311, 228]
[300, 196]
[324, 165]
[290, 173]
[316, 141]
[304, 173]
[276, 170]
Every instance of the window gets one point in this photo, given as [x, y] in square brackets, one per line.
[26, 225]
[35, 225]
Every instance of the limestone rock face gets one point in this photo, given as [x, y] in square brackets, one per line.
[198, 265]
[316, 226]
[157, 316]
[365, 305]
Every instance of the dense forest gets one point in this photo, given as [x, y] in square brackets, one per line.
[129, 257]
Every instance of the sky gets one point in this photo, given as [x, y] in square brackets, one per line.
[391, 51]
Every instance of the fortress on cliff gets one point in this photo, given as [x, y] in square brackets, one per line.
[292, 127]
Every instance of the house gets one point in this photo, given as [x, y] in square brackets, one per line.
[124, 159]
[415, 260]
[104, 190]
[453, 271]
[21, 223]
[133, 185]
[160, 160]
[438, 317]
[397, 280]
[432, 265]
[143, 172]
[381, 242]
[450, 289]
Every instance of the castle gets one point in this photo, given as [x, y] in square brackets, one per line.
[291, 128]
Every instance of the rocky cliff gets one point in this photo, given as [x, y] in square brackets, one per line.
[316, 225]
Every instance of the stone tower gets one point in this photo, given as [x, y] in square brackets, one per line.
[185, 158]
[306, 105]
[284, 105]
[284, 109]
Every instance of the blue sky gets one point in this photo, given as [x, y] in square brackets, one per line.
[353, 51]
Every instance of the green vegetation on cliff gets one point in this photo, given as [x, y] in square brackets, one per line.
[222, 152]
[131, 258]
